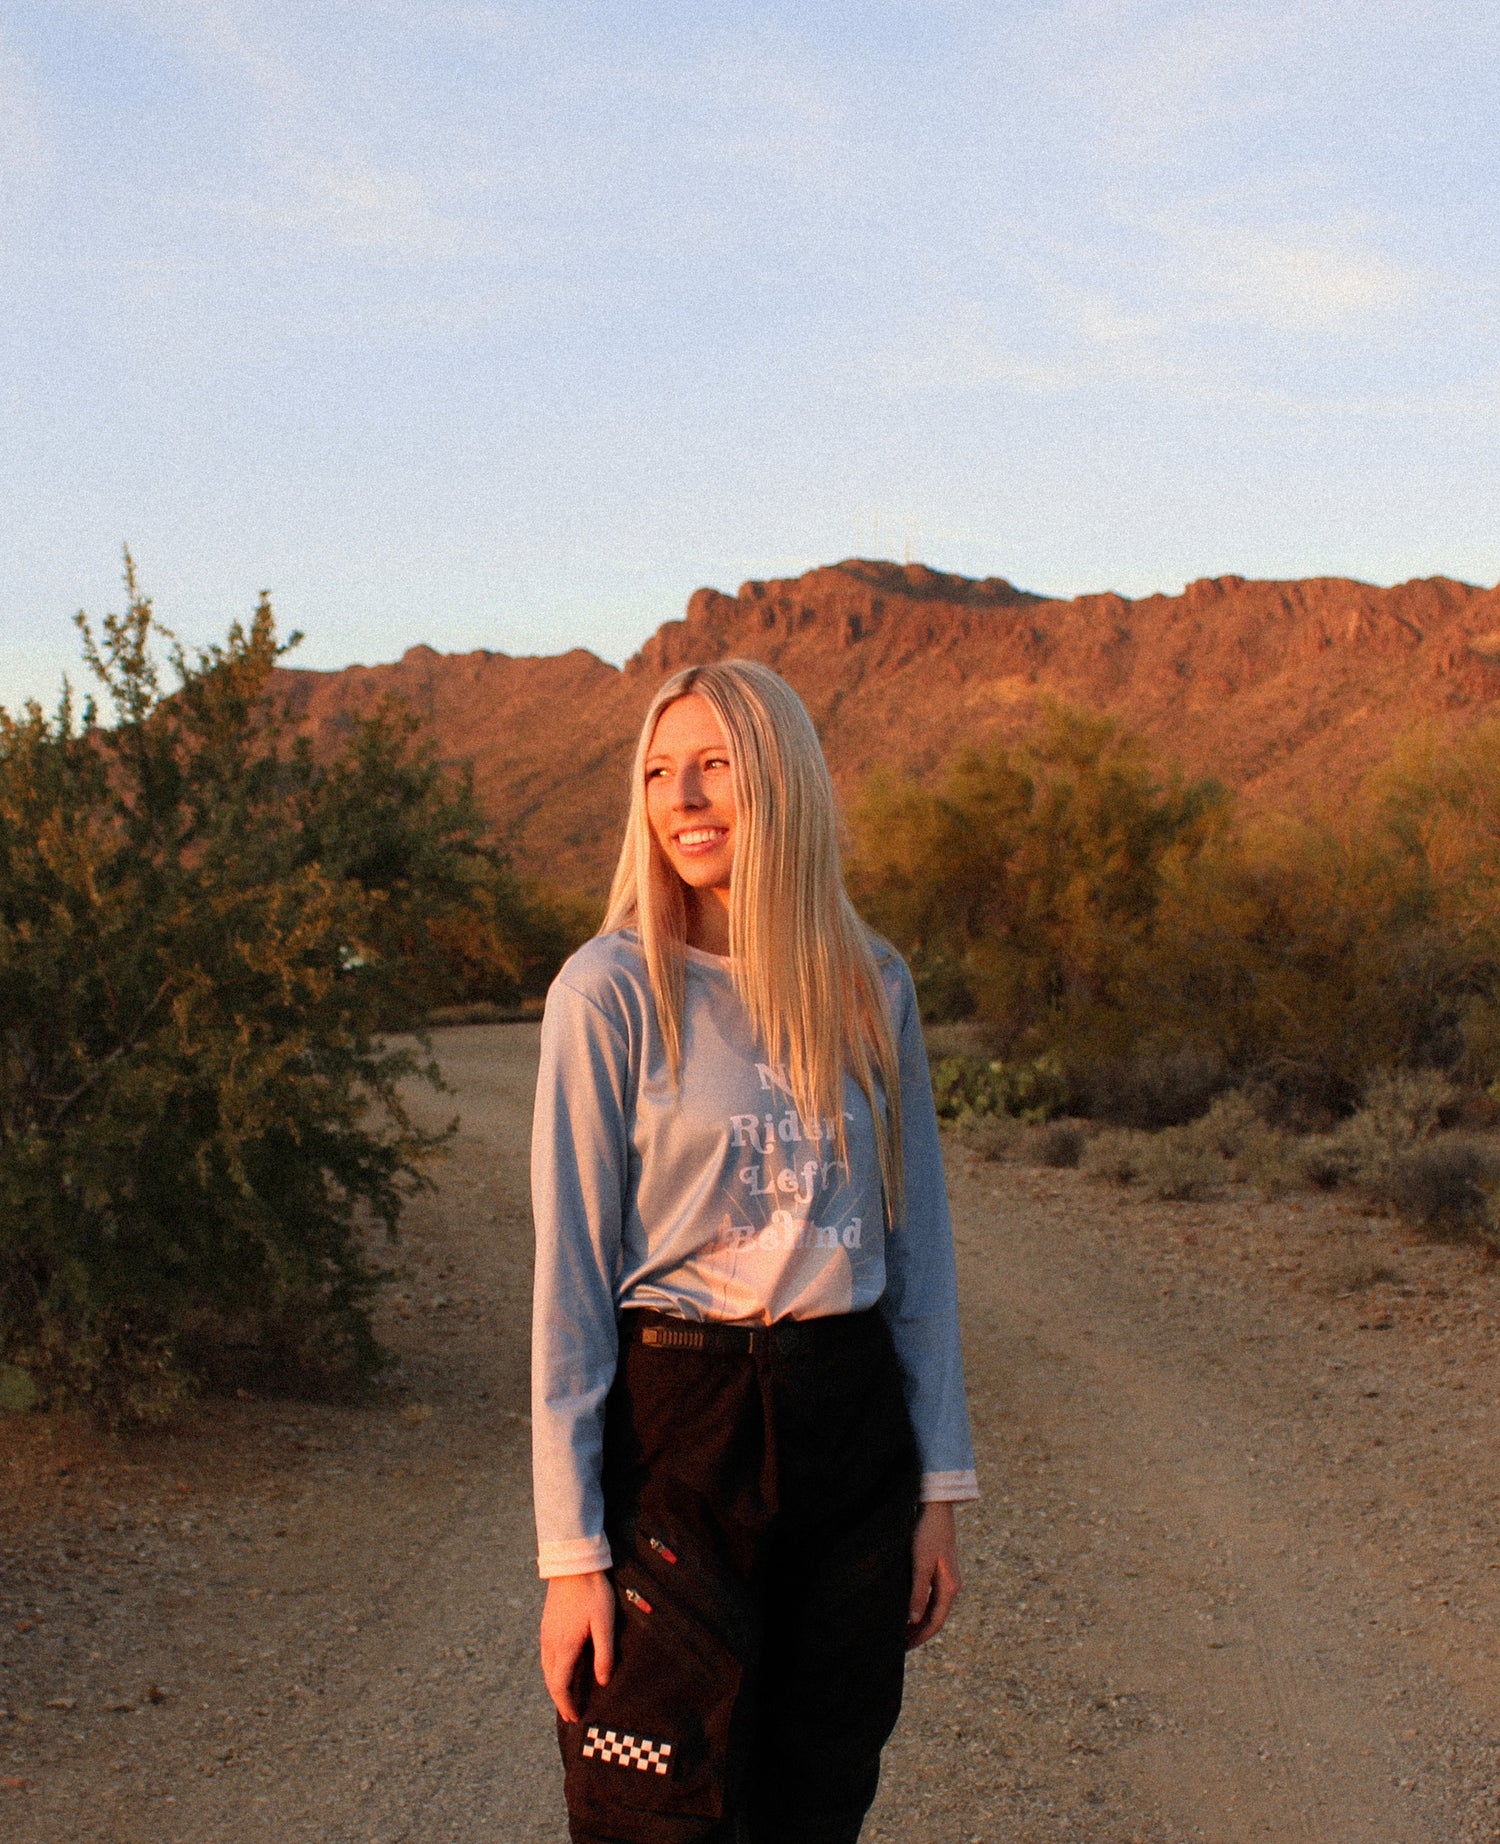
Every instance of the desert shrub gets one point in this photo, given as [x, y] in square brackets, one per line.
[1410, 1104]
[1264, 1161]
[1176, 1164]
[1154, 1088]
[1401, 1110]
[1321, 1161]
[963, 1085]
[1232, 1120]
[1061, 1146]
[1235, 1129]
[1354, 1269]
[1444, 1184]
[994, 1137]
[203, 933]
[1116, 1155]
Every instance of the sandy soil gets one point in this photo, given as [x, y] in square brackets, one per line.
[1235, 1575]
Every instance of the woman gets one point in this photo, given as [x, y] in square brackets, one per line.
[749, 1422]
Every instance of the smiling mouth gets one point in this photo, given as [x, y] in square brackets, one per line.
[700, 836]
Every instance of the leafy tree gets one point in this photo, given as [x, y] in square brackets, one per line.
[1021, 886]
[1306, 954]
[1083, 904]
[1439, 798]
[203, 931]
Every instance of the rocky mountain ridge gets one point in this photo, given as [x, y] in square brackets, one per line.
[1288, 691]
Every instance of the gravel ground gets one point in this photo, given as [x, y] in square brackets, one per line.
[1235, 1575]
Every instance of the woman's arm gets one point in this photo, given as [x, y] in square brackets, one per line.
[920, 1302]
[579, 1168]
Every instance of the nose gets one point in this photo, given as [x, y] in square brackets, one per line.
[688, 793]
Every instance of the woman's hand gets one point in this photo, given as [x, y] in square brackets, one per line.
[579, 1608]
[935, 1580]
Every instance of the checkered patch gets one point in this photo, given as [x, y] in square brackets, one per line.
[615, 1750]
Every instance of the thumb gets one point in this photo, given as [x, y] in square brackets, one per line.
[921, 1592]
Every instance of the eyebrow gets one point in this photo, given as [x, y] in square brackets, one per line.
[665, 755]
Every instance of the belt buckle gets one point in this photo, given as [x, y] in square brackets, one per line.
[683, 1338]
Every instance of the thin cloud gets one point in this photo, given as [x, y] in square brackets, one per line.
[956, 351]
[313, 169]
[1296, 280]
[1141, 86]
[1151, 95]
[354, 202]
[1102, 349]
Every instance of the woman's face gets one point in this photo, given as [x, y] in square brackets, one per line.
[690, 793]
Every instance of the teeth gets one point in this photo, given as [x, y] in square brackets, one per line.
[700, 838]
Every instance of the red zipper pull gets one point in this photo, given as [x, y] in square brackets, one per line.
[661, 1549]
[637, 1600]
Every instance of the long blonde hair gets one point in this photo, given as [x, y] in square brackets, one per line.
[800, 957]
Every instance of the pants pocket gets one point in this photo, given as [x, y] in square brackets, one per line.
[652, 1746]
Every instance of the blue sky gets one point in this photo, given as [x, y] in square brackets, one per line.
[508, 325]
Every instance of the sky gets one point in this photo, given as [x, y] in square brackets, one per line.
[509, 325]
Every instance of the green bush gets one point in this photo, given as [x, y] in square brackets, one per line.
[965, 1085]
[203, 931]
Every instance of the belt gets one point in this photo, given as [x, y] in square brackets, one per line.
[788, 1338]
[661, 1331]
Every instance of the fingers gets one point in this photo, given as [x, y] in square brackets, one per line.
[560, 1652]
[580, 1611]
[557, 1670]
[923, 1568]
[934, 1593]
[935, 1580]
[602, 1632]
[943, 1592]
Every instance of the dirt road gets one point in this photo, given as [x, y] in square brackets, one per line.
[1235, 1576]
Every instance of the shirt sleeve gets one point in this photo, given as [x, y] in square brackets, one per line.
[579, 1166]
[920, 1302]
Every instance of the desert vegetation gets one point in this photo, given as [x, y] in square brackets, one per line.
[1396, 1152]
[213, 920]
[206, 931]
[1308, 1002]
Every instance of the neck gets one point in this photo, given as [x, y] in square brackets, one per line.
[708, 920]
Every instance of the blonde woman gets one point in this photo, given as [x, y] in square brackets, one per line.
[748, 1408]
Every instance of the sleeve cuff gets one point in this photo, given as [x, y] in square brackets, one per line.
[948, 1488]
[575, 1556]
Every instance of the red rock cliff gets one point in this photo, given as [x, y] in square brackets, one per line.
[1287, 691]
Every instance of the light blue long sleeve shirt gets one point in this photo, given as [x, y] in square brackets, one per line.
[713, 1198]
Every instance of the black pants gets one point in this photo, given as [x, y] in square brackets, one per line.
[760, 1495]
